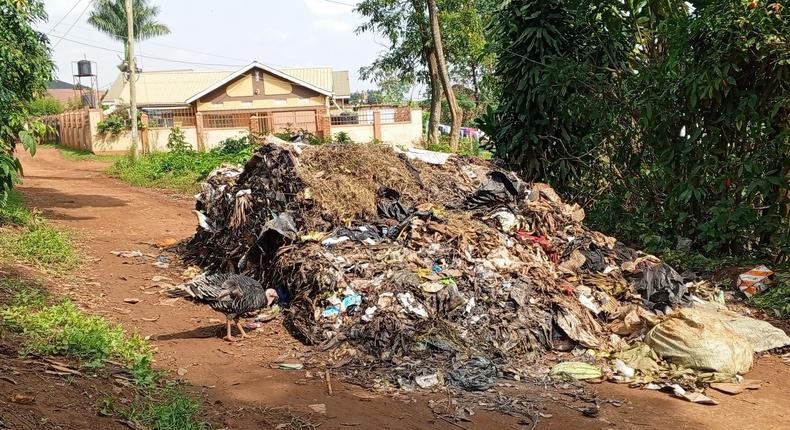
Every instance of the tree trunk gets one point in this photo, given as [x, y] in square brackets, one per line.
[444, 76]
[433, 73]
[436, 99]
[476, 86]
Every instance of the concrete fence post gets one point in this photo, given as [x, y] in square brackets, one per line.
[201, 138]
[377, 125]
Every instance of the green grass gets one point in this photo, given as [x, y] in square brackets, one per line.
[13, 210]
[74, 154]
[466, 146]
[776, 298]
[180, 171]
[51, 326]
[27, 237]
[169, 408]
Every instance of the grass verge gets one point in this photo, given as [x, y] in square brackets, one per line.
[74, 154]
[52, 326]
[25, 236]
[181, 171]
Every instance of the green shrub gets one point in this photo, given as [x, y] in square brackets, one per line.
[46, 105]
[342, 137]
[176, 141]
[670, 123]
[179, 170]
[117, 122]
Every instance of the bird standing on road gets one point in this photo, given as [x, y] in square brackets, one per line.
[231, 294]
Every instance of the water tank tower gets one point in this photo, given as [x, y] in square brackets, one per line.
[86, 82]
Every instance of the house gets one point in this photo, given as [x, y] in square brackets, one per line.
[256, 96]
[65, 92]
[211, 106]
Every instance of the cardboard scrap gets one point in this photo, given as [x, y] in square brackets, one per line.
[737, 388]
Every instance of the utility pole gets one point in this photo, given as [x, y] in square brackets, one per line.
[132, 75]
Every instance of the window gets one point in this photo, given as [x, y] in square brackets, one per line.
[246, 104]
[226, 120]
[280, 102]
[167, 118]
[304, 100]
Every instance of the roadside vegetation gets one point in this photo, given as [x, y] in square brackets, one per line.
[181, 168]
[52, 326]
[27, 237]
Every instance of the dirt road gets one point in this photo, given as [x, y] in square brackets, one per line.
[107, 216]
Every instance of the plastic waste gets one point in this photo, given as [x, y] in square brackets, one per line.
[624, 369]
[427, 381]
[755, 281]
[575, 370]
[411, 304]
[476, 374]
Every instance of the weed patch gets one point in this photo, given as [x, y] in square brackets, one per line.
[777, 298]
[13, 210]
[169, 408]
[180, 170]
[51, 326]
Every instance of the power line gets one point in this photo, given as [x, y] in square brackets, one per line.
[340, 2]
[85, 9]
[64, 16]
[149, 56]
[150, 42]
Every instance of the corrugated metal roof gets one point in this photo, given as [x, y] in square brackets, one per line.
[171, 87]
[340, 85]
[321, 77]
[175, 87]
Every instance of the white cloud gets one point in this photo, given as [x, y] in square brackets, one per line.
[335, 25]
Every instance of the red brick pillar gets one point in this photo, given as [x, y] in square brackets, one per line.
[201, 143]
[322, 123]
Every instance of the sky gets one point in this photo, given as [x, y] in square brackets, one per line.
[220, 35]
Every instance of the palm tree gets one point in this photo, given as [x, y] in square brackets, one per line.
[109, 16]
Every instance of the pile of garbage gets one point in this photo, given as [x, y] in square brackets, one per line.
[394, 256]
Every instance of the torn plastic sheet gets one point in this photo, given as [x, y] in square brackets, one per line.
[430, 157]
[501, 188]
[658, 283]
[476, 374]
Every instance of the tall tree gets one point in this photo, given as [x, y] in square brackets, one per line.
[25, 70]
[444, 75]
[429, 58]
[109, 16]
[409, 55]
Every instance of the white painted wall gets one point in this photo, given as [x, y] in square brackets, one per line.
[404, 134]
[408, 134]
[216, 135]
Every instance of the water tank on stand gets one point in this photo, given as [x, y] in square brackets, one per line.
[84, 68]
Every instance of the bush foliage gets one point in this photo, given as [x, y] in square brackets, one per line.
[182, 168]
[665, 119]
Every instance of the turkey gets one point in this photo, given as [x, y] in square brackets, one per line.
[233, 295]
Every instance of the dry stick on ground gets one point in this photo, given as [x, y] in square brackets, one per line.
[328, 382]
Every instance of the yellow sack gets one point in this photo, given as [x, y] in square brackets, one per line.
[699, 340]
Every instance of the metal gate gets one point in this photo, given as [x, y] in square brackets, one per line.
[278, 122]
